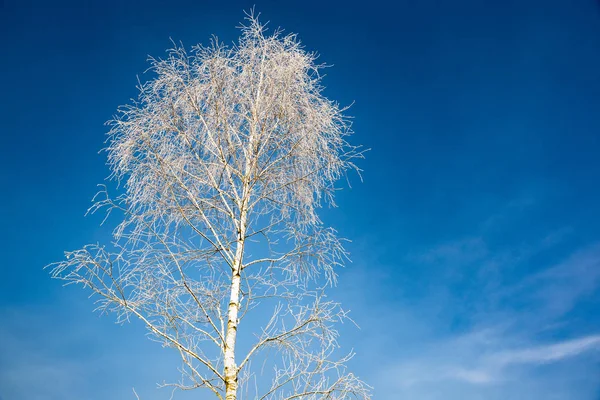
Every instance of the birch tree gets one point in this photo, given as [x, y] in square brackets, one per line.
[222, 163]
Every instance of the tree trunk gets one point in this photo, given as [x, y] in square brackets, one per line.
[231, 375]
[231, 371]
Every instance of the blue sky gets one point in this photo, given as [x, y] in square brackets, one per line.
[476, 248]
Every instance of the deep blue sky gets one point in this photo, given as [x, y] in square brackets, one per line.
[475, 234]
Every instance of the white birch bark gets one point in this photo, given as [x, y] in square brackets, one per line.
[230, 368]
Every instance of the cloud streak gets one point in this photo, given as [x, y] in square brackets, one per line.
[549, 353]
[517, 339]
[470, 361]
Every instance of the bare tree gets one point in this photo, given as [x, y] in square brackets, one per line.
[224, 160]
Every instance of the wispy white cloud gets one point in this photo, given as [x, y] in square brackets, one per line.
[473, 376]
[49, 354]
[462, 251]
[549, 353]
[518, 341]
[474, 363]
[559, 288]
